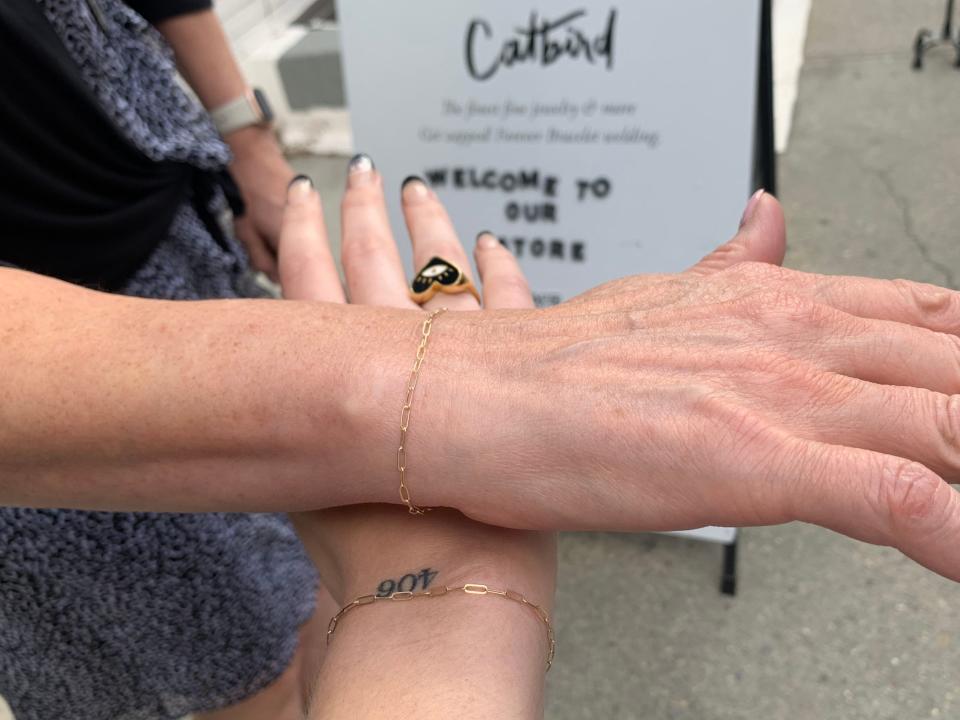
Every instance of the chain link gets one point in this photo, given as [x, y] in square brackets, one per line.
[405, 413]
[468, 589]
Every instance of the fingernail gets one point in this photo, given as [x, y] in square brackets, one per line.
[414, 188]
[751, 206]
[360, 170]
[487, 240]
[299, 189]
[298, 178]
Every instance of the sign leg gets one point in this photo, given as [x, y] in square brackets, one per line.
[728, 583]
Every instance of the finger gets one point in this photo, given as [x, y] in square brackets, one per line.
[762, 238]
[889, 353]
[432, 235]
[878, 351]
[371, 261]
[307, 269]
[903, 301]
[258, 250]
[878, 498]
[907, 422]
[504, 285]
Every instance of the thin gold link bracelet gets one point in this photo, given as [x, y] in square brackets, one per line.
[469, 589]
[407, 407]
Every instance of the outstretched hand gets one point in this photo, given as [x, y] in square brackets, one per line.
[737, 393]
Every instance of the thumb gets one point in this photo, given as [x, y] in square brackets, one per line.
[762, 238]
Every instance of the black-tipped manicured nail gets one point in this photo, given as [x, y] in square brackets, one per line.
[298, 178]
[361, 162]
[414, 188]
[487, 240]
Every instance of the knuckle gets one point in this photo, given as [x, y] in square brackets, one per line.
[360, 246]
[738, 427]
[774, 364]
[514, 283]
[746, 439]
[953, 352]
[833, 390]
[772, 372]
[635, 321]
[780, 307]
[364, 198]
[910, 493]
[445, 247]
[756, 271]
[427, 210]
[947, 420]
[931, 301]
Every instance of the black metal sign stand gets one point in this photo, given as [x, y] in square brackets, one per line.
[765, 153]
[765, 176]
[926, 40]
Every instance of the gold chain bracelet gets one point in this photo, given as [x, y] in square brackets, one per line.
[469, 589]
[405, 412]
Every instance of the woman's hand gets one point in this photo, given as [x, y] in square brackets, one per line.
[205, 60]
[750, 395]
[741, 394]
[359, 550]
[262, 174]
[383, 549]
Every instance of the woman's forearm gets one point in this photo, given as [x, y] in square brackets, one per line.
[462, 656]
[109, 402]
[452, 655]
[204, 57]
[206, 61]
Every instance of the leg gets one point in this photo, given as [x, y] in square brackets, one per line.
[728, 584]
[920, 47]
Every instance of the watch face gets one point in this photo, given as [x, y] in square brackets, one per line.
[265, 110]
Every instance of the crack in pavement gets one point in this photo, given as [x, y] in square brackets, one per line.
[903, 203]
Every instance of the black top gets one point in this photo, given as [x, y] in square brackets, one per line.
[77, 200]
[157, 10]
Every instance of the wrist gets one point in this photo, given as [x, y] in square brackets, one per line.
[382, 549]
[456, 428]
[252, 140]
[439, 569]
[459, 650]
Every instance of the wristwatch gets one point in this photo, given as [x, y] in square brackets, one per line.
[249, 109]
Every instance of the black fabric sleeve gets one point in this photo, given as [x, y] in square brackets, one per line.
[156, 10]
[78, 201]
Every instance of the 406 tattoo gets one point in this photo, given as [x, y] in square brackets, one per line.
[408, 583]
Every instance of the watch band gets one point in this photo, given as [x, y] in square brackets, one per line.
[249, 109]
